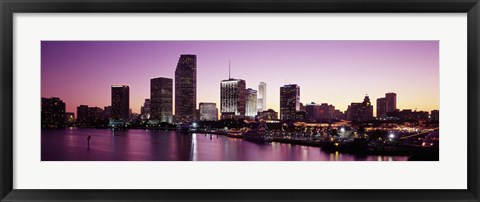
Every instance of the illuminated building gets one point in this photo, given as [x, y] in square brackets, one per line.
[289, 101]
[262, 97]
[186, 88]
[251, 104]
[232, 98]
[269, 114]
[161, 100]
[300, 115]
[208, 111]
[145, 109]
[53, 113]
[120, 102]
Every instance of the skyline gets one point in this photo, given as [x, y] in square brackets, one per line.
[348, 69]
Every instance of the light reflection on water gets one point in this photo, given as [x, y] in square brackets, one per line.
[149, 145]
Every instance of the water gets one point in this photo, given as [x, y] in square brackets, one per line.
[143, 145]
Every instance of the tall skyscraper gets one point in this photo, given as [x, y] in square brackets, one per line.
[208, 111]
[161, 99]
[120, 102]
[232, 98]
[391, 102]
[53, 113]
[262, 97]
[186, 88]
[289, 101]
[251, 110]
[381, 108]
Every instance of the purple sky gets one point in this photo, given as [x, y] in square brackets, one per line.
[334, 72]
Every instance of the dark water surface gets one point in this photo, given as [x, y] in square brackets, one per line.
[146, 145]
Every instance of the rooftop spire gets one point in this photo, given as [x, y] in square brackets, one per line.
[229, 77]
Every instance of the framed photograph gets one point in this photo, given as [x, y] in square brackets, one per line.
[239, 101]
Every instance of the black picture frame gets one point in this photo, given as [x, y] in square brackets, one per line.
[10, 7]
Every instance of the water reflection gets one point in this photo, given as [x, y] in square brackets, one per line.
[148, 145]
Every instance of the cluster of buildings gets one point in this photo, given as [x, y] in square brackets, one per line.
[236, 101]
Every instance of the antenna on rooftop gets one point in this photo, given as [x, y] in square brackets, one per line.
[229, 64]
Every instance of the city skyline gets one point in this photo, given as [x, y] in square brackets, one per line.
[413, 75]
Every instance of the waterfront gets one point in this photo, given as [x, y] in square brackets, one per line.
[70, 144]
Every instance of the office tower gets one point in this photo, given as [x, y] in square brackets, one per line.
[382, 108]
[362, 111]
[208, 111]
[161, 99]
[186, 88]
[289, 101]
[53, 113]
[120, 102]
[262, 97]
[232, 98]
[251, 110]
[391, 102]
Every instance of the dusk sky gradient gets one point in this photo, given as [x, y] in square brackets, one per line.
[334, 72]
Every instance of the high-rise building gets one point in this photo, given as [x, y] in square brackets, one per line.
[391, 102]
[362, 111]
[381, 108]
[161, 100]
[208, 111]
[262, 97]
[232, 98]
[53, 113]
[186, 88]
[251, 110]
[289, 101]
[120, 102]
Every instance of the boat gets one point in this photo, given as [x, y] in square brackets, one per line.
[258, 135]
